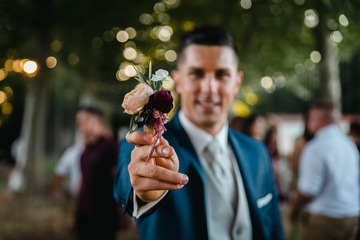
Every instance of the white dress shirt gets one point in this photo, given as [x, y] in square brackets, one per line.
[227, 203]
[329, 172]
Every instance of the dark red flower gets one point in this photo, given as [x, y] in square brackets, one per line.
[162, 101]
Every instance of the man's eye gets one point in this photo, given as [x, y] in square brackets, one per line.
[197, 73]
[221, 74]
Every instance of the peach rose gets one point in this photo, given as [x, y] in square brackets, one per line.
[135, 100]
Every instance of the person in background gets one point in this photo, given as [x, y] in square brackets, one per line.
[95, 210]
[68, 166]
[252, 125]
[205, 180]
[354, 133]
[328, 184]
[299, 144]
[270, 141]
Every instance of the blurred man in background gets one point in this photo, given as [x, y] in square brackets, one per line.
[95, 208]
[328, 184]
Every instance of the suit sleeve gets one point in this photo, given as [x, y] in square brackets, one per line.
[123, 192]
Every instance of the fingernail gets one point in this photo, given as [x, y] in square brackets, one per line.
[166, 150]
[184, 179]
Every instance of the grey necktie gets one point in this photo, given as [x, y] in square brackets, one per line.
[213, 151]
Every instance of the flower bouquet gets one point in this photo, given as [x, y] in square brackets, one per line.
[149, 104]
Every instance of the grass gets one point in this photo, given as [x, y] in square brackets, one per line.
[36, 217]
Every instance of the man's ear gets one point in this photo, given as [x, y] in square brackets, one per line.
[239, 80]
[175, 75]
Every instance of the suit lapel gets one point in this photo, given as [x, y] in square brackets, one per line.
[186, 152]
[246, 170]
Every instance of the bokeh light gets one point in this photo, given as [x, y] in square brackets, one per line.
[122, 36]
[51, 62]
[6, 108]
[16, 66]
[30, 67]
[130, 53]
[251, 98]
[56, 45]
[3, 74]
[336, 36]
[240, 109]
[315, 56]
[146, 19]
[131, 32]
[170, 56]
[97, 42]
[343, 20]
[311, 19]
[246, 4]
[9, 92]
[3, 97]
[73, 58]
[108, 36]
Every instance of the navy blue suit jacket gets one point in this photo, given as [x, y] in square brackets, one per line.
[182, 213]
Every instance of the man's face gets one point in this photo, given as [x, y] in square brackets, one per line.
[207, 80]
[86, 124]
[316, 120]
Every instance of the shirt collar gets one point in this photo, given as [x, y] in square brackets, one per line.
[200, 138]
[327, 130]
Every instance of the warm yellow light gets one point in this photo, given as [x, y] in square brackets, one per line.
[120, 75]
[3, 97]
[188, 25]
[164, 34]
[266, 82]
[129, 71]
[8, 91]
[122, 36]
[3, 74]
[6, 108]
[30, 67]
[56, 45]
[130, 53]
[51, 62]
[251, 98]
[170, 55]
[146, 19]
[131, 32]
[9, 65]
[73, 58]
[17, 66]
[240, 109]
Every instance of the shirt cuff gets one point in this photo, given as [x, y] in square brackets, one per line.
[138, 212]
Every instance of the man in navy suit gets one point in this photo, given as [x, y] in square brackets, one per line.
[177, 195]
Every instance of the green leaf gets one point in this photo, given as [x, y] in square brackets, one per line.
[150, 70]
[141, 78]
[157, 85]
[133, 124]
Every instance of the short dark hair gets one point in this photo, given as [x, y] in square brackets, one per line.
[355, 128]
[92, 110]
[208, 36]
[329, 107]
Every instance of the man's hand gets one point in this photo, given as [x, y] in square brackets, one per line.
[151, 180]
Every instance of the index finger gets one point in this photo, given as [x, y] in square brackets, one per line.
[139, 138]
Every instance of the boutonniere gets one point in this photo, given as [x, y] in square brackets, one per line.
[149, 104]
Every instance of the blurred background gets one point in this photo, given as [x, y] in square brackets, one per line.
[56, 55]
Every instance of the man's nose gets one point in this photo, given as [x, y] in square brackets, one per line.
[209, 83]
